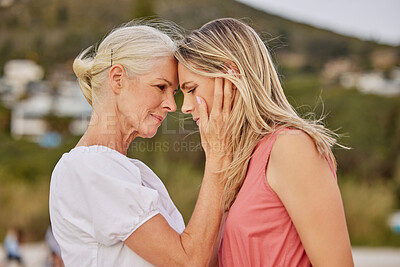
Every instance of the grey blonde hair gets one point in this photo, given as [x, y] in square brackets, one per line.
[260, 106]
[133, 45]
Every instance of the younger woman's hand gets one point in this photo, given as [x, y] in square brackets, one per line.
[213, 126]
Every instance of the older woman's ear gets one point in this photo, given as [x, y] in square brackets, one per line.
[116, 77]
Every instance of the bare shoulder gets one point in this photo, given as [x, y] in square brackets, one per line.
[294, 143]
[295, 159]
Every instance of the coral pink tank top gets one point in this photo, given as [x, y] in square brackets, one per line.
[258, 230]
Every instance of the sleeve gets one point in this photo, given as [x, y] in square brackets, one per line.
[117, 201]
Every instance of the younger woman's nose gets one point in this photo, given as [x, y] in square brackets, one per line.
[187, 106]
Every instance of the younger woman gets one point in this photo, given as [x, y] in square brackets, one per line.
[284, 205]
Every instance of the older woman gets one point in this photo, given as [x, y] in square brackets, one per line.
[110, 210]
[282, 200]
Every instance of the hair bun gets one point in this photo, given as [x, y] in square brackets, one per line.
[82, 67]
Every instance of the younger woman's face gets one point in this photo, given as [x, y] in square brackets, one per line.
[193, 85]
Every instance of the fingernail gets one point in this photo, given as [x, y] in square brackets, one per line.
[198, 100]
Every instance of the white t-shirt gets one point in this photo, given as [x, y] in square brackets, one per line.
[98, 198]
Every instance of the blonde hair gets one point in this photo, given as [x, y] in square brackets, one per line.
[133, 45]
[260, 106]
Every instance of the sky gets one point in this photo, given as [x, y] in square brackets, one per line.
[376, 20]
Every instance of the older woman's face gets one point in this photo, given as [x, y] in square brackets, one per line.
[193, 85]
[148, 98]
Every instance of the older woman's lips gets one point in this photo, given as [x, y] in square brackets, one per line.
[197, 121]
[158, 118]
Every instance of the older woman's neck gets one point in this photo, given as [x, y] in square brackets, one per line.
[106, 129]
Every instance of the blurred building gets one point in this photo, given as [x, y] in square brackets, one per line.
[28, 117]
[6, 3]
[71, 103]
[18, 74]
[373, 82]
[333, 69]
[38, 106]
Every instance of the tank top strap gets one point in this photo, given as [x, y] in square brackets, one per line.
[332, 167]
[263, 149]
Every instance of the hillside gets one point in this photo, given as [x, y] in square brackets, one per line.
[54, 31]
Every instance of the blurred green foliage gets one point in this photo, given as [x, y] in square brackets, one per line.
[54, 31]
[25, 169]
[367, 206]
[51, 32]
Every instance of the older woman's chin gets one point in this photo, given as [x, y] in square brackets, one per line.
[149, 134]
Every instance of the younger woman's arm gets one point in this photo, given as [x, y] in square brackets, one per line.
[306, 185]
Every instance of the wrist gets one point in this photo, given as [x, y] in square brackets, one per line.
[216, 158]
[216, 164]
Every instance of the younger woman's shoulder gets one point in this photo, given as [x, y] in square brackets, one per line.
[293, 141]
[295, 159]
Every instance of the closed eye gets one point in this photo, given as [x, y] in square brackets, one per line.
[191, 90]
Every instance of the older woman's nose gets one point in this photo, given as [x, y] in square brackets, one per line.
[169, 103]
